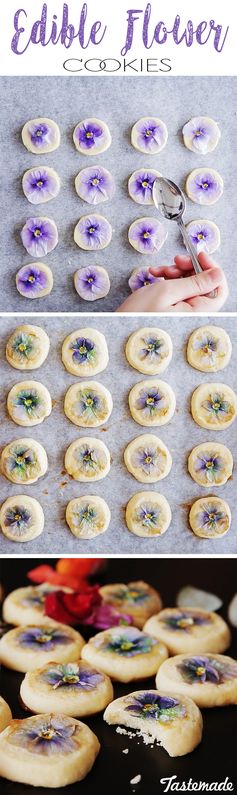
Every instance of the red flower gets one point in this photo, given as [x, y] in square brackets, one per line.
[73, 608]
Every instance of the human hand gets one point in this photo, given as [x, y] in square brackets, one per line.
[180, 289]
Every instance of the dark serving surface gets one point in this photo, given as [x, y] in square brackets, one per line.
[214, 760]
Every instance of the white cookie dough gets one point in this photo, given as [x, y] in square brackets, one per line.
[210, 680]
[88, 404]
[41, 184]
[88, 516]
[27, 605]
[75, 689]
[209, 349]
[204, 186]
[93, 232]
[201, 134]
[149, 135]
[152, 402]
[87, 459]
[29, 403]
[5, 714]
[85, 352]
[125, 653]
[210, 517]
[92, 137]
[148, 514]
[214, 406]
[24, 461]
[136, 599]
[40, 136]
[52, 749]
[189, 630]
[21, 518]
[210, 464]
[149, 350]
[27, 347]
[204, 234]
[173, 720]
[30, 646]
[147, 458]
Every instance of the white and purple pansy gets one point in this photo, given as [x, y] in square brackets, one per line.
[152, 706]
[93, 233]
[204, 186]
[149, 135]
[46, 735]
[185, 621]
[18, 519]
[91, 136]
[204, 235]
[211, 518]
[140, 185]
[201, 134]
[72, 675]
[147, 235]
[141, 277]
[128, 642]
[43, 638]
[40, 185]
[95, 184]
[201, 670]
[34, 281]
[39, 236]
[217, 406]
[92, 283]
[151, 401]
[210, 465]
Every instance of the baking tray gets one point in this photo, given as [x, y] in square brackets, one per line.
[181, 434]
[69, 100]
[213, 760]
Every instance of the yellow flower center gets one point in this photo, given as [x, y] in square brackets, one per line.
[28, 401]
[200, 671]
[95, 181]
[148, 459]
[145, 184]
[126, 646]
[90, 280]
[39, 183]
[146, 234]
[31, 279]
[209, 465]
[185, 622]
[43, 638]
[212, 517]
[89, 135]
[72, 678]
[22, 346]
[148, 515]
[200, 236]
[39, 133]
[37, 232]
[147, 707]
[89, 401]
[148, 133]
[205, 185]
[82, 349]
[19, 459]
[216, 405]
[47, 734]
[150, 401]
[91, 230]
[17, 517]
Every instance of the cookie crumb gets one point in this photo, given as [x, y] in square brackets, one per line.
[136, 779]
[125, 750]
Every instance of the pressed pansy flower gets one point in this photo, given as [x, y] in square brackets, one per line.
[40, 185]
[204, 235]
[93, 233]
[151, 460]
[95, 185]
[49, 734]
[84, 518]
[128, 643]
[201, 134]
[151, 401]
[46, 638]
[154, 348]
[39, 236]
[23, 462]
[83, 350]
[217, 405]
[91, 137]
[133, 595]
[185, 621]
[147, 235]
[41, 135]
[28, 401]
[209, 465]
[214, 405]
[152, 706]
[204, 186]
[92, 283]
[89, 404]
[18, 519]
[141, 277]
[206, 669]
[34, 281]
[148, 516]
[90, 460]
[149, 135]
[87, 517]
[23, 345]
[211, 516]
[208, 347]
[72, 675]
[140, 186]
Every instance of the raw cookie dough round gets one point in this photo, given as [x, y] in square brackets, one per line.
[148, 514]
[201, 134]
[95, 184]
[24, 461]
[85, 352]
[210, 464]
[149, 135]
[5, 714]
[214, 406]
[209, 349]
[204, 186]
[40, 184]
[27, 605]
[152, 402]
[92, 137]
[173, 720]
[147, 458]
[147, 235]
[32, 645]
[75, 689]
[34, 280]
[93, 232]
[125, 653]
[88, 516]
[149, 350]
[51, 749]
[88, 404]
[40, 136]
[27, 347]
[39, 236]
[191, 630]
[21, 518]
[210, 680]
[87, 459]
[210, 517]
[204, 234]
[92, 283]
[136, 599]
[28, 403]
[140, 185]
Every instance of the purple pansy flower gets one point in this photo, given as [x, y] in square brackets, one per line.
[149, 135]
[151, 705]
[44, 638]
[91, 136]
[72, 675]
[127, 642]
[32, 280]
[152, 348]
[208, 347]
[49, 734]
[92, 283]
[39, 236]
[148, 515]
[204, 235]
[146, 459]
[206, 669]
[88, 459]
[151, 401]
[201, 134]
[95, 185]
[131, 594]
[88, 403]
[18, 519]
[209, 464]
[210, 517]
[40, 134]
[204, 186]
[184, 621]
[140, 186]
[40, 185]
[93, 232]
[83, 350]
[88, 133]
[141, 278]
[147, 235]
[217, 406]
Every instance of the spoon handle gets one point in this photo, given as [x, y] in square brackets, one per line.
[191, 250]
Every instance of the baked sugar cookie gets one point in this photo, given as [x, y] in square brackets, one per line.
[74, 689]
[149, 350]
[5, 714]
[152, 402]
[210, 680]
[174, 720]
[40, 136]
[51, 749]
[93, 232]
[149, 135]
[27, 347]
[24, 461]
[147, 458]
[34, 280]
[201, 134]
[87, 459]
[28, 647]
[210, 464]
[21, 518]
[28, 403]
[209, 349]
[148, 514]
[191, 630]
[88, 404]
[27, 605]
[40, 184]
[92, 137]
[125, 653]
[204, 186]
[136, 599]
[214, 406]
[88, 516]
[210, 517]
[85, 352]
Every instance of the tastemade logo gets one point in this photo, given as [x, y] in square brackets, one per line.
[173, 785]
